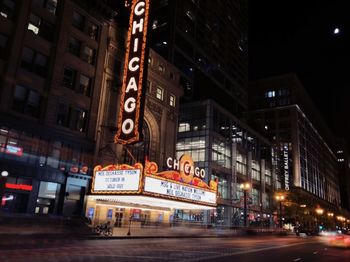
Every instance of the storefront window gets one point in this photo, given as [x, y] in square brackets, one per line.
[255, 196]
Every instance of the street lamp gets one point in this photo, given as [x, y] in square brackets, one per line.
[280, 198]
[245, 187]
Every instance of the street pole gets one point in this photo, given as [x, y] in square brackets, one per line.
[245, 207]
[129, 233]
[281, 214]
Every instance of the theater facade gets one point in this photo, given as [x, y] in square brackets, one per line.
[147, 196]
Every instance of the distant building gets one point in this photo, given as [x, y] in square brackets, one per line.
[282, 111]
[233, 153]
[344, 173]
[207, 41]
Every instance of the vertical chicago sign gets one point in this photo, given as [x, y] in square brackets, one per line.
[132, 96]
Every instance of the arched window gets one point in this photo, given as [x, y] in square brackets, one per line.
[138, 152]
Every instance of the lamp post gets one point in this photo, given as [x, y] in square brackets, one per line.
[280, 198]
[129, 233]
[245, 187]
[3, 179]
[319, 211]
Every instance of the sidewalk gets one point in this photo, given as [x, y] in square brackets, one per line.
[77, 229]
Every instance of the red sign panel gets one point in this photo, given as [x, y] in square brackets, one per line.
[19, 186]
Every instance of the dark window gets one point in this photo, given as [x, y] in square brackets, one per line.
[40, 27]
[72, 117]
[26, 101]
[74, 46]
[50, 5]
[3, 44]
[34, 62]
[78, 21]
[69, 77]
[92, 30]
[63, 115]
[88, 55]
[85, 85]
[78, 119]
[7, 8]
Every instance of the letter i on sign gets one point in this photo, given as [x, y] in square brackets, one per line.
[131, 107]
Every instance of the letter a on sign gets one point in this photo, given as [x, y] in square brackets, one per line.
[135, 72]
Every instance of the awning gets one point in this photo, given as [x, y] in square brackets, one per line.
[149, 202]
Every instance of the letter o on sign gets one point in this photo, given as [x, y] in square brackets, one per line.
[127, 126]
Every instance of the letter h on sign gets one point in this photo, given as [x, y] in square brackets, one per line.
[135, 72]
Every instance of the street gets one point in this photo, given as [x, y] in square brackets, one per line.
[256, 248]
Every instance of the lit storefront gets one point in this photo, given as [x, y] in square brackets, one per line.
[121, 193]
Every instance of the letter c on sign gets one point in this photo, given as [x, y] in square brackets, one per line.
[133, 68]
[168, 162]
[129, 104]
[139, 11]
[127, 126]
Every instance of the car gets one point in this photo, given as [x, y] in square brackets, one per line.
[340, 240]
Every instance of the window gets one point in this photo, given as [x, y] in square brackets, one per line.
[270, 94]
[84, 85]
[172, 100]
[78, 21]
[34, 62]
[72, 117]
[88, 55]
[69, 77]
[3, 44]
[78, 119]
[160, 93]
[50, 5]
[7, 8]
[26, 101]
[92, 30]
[184, 127]
[74, 46]
[34, 24]
[160, 68]
[40, 27]
[62, 115]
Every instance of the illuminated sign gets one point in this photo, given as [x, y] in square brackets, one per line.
[286, 167]
[12, 150]
[114, 181]
[179, 191]
[186, 168]
[132, 97]
[19, 186]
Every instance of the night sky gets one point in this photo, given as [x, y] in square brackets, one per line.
[298, 36]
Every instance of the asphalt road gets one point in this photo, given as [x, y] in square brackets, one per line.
[169, 249]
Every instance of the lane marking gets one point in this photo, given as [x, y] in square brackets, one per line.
[247, 252]
[316, 252]
[297, 259]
